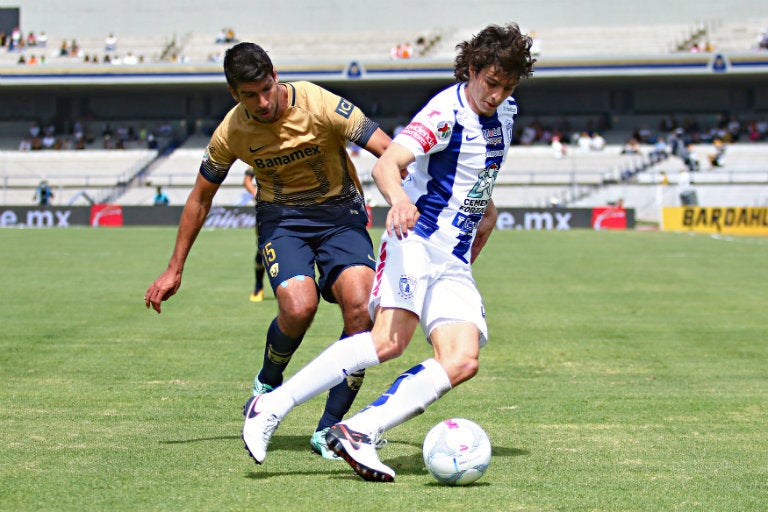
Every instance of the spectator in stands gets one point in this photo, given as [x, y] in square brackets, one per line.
[528, 137]
[110, 43]
[310, 208]
[78, 131]
[762, 40]
[659, 151]
[734, 129]
[42, 40]
[401, 51]
[43, 194]
[584, 142]
[161, 199]
[631, 147]
[685, 152]
[558, 148]
[16, 40]
[715, 159]
[151, 141]
[596, 142]
[221, 37]
[761, 127]
[34, 129]
[49, 141]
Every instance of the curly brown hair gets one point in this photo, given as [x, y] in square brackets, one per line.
[504, 47]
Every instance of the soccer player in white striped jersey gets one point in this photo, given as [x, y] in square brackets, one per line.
[441, 216]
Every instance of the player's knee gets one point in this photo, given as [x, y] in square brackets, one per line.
[297, 313]
[460, 369]
[469, 368]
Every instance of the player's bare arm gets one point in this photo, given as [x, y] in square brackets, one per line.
[192, 218]
[484, 229]
[249, 185]
[378, 142]
[387, 175]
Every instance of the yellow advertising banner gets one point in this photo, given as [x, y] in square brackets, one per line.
[724, 220]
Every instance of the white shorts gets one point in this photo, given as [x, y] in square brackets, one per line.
[415, 274]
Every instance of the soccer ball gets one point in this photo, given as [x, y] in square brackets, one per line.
[457, 451]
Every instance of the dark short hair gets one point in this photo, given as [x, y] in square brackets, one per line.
[504, 47]
[246, 62]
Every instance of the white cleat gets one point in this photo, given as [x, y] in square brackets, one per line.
[359, 450]
[258, 428]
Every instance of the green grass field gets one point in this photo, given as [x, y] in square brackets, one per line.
[625, 371]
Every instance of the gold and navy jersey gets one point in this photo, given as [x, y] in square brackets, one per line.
[300, 159]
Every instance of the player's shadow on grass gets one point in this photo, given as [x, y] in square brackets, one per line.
[412, 464]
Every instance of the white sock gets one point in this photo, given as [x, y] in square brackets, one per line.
[406, 398]
[332, 366]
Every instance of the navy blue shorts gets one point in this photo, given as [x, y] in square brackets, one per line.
[294, 240]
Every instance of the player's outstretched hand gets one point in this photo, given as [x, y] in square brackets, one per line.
[164, 287]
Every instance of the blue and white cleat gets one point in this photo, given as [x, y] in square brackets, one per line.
[258, 428]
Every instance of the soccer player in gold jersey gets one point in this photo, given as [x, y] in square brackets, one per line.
[310, 210]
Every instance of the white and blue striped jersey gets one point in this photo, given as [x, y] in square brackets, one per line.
[458, 157]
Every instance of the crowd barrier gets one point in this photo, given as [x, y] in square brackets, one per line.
[109, 215]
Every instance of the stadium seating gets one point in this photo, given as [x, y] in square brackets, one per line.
[742, 163]
[148, 48]
[69, 172]
[287, 47]
[74, 168]
[536, 165]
